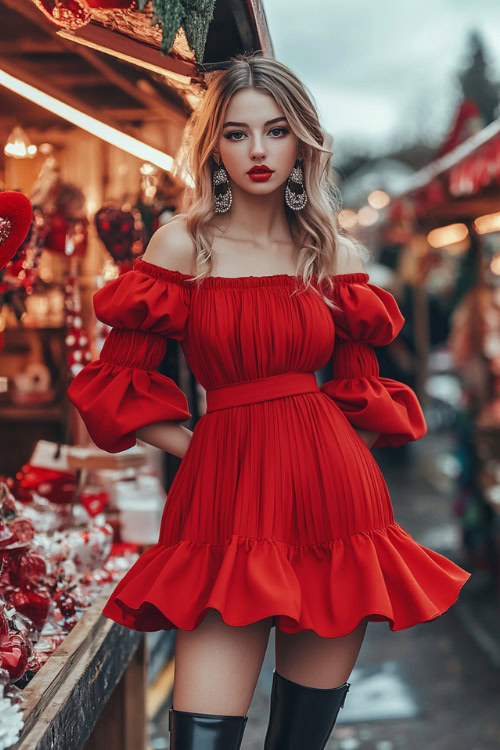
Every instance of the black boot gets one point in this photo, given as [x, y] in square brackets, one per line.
[193, 731]
[302, 717]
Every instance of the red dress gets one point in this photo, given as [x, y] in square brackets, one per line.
[278, 508]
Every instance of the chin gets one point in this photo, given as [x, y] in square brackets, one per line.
[261, 188]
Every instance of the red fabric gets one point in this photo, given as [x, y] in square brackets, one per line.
[369, 316]
[120, 391]
[278, 508]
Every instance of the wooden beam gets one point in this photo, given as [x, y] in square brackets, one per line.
[29, 45]
[133, 51]
[76, 79]
[41, 83]
[153, 101]
[30, 13]
[258, 14]
[123, 113]
[461, 209]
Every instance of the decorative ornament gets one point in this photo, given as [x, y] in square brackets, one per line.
[77, 340]
[47, 580]
[55, 485]
[222, 190]
[15, 650]
[68, 223]
[193, 15]
[110, 4]
[20, 274]
[32, 385]
[16, 215]
[122, 233]
[295, 194]
[32, 604]
[44, 188]
[68, 14]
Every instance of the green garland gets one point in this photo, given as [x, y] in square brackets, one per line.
[193, 15]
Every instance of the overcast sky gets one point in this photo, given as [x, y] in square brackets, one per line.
[379, 69]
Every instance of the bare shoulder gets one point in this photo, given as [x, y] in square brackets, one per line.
[348, 259]
[171, 246]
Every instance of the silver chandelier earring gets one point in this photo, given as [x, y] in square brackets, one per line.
[222, 190]
[295, 194]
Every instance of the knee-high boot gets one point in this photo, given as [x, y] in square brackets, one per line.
[195, 731]
[302, 717]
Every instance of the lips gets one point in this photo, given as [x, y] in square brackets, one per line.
[260, 173]
[260, 169]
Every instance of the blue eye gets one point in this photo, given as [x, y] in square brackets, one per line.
[281, 132]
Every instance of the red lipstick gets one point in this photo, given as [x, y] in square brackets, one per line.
[260, 173]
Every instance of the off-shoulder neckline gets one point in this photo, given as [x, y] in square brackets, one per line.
[159, 272]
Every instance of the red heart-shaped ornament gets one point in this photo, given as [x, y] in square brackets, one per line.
[16, 215]
[119, 233]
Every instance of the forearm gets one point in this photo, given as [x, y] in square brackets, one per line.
[369, 438]
[170, 437]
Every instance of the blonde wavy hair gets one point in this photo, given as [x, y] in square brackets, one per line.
[314, 229]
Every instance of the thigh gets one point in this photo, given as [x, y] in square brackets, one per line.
[217, 665]
[312, 660]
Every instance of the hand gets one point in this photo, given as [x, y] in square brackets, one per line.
[368, 437]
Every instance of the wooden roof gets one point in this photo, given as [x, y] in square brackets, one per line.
[113, 68]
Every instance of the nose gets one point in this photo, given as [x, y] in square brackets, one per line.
[257, 150]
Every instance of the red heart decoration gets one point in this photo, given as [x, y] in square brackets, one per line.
[16, 215]
[119, 234]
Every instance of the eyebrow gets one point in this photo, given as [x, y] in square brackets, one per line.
[245, 124]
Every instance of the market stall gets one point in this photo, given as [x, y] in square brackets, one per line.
[444, 229]
[93, 104]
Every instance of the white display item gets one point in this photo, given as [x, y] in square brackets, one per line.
[140, 520]
[140, 504]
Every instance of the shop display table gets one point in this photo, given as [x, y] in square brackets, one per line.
[91, 692]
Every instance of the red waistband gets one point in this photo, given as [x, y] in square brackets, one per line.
[261, 389]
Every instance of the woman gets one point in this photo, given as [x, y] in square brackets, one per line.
[278, 515]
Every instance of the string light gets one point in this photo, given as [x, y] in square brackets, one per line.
[487, 223]
[448, 235]
[378, 199]
[367, 216]
[347, 218]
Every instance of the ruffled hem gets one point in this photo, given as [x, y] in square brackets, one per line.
[382, 574]
[381, 405]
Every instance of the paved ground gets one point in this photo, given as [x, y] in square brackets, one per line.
[429, 686]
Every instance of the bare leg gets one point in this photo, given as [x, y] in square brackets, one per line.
[314, 661]
[217, 665]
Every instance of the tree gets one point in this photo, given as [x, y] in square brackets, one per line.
[476, 82]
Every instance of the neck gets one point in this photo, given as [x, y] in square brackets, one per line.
[261, 218]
